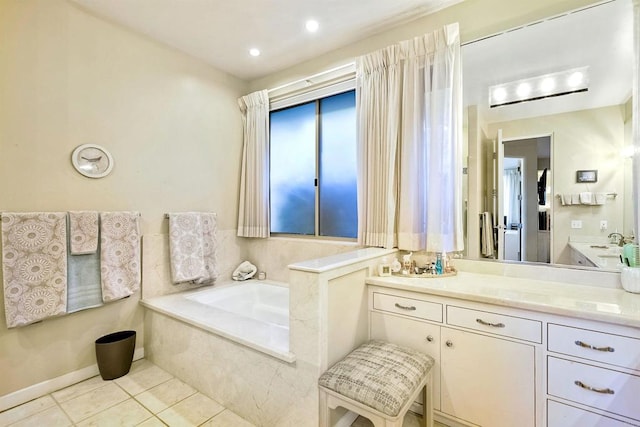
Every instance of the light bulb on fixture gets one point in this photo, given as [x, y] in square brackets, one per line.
[575, 79]
[500, 94]
[547, 85]
[523, 90]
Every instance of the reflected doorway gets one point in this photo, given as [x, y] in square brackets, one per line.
[525, 199]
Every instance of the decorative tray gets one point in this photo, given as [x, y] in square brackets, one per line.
[453, 272]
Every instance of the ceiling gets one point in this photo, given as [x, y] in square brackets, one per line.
[221, 32]
[599, 37]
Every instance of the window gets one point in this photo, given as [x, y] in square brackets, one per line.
[313, 168]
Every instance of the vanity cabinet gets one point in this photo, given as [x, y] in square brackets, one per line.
[485, 361]
[592, 370]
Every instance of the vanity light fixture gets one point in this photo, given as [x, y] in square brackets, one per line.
[254, 51]
[555, 84]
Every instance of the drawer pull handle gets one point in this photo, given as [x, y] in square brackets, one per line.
[449, 343]
[585, 345]
[430, 338]
[495, 325]
[597, 390]
[404, 307]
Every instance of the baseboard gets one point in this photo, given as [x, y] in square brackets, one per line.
[49, 386]
[347, 419]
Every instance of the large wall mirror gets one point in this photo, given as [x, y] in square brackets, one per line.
[549, 178]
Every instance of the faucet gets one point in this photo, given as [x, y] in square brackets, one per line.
[617, 238]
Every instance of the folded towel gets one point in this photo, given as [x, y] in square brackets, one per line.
[34, 268]
[586, 198]
[245, 271]
[486, 241]
[84, 289]
[83, 228]
[575, 199]
[192, 247]
[119, 254]
[566, 199]
[600, 198]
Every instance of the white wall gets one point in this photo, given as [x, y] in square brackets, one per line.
[170, 121]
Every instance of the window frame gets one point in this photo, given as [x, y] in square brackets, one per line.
[294, 100]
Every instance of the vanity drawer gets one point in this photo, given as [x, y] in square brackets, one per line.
[499, 324]
[606, 348]
[599, 388]
[408, 306]
[561, 415]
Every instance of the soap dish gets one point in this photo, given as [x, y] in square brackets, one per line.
[453, 272]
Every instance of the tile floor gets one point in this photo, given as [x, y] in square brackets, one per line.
[147, 396]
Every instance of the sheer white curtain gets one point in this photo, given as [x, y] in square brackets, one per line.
[511, 193]
[409, 144]
[253, 208]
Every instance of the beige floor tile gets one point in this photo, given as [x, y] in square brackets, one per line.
[227, 418]
[152, 422]
[76, 390]
[52, 417]
[165, 395]
[25, 410]
[142, 379]
[192, 411]
[127, 413]
[93, 402]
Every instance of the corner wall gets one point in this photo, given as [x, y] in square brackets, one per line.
[171, 123]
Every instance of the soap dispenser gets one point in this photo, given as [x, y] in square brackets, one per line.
[384, 268]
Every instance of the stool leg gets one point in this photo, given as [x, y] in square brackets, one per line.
[325, 412]
[427, 403]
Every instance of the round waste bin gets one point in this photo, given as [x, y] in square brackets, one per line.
[114, 353]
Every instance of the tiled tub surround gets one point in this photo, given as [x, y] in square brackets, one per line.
[253, 313]
[264, 388]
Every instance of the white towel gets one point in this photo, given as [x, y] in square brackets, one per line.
[83, 230]
[34, 266]
[586, 198]
[575, 199]
[192, 247]
[600, 198]
[566, 199]
[119, 254]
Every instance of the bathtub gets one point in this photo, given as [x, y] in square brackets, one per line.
[252, 313]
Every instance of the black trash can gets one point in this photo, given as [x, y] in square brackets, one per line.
[114, 353]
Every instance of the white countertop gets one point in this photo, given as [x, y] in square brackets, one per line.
[587, 302]
[603, 255]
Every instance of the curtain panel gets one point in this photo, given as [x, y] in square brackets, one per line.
[409, 112]
[253, 207]
[635, 118]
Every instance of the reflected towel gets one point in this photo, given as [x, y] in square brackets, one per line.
[566, 199]
[192, 247]
[600, 198]
[575, 199]
[586, 198]
[84, 289]
[487, 234]
[119, 254]
[83, 232]
[34, 266]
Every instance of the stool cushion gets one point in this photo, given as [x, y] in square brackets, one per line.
[379, 375]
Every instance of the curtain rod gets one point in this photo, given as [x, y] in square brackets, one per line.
[313, 76]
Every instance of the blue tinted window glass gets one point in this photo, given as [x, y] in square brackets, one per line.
[338, 201]
[293, 165]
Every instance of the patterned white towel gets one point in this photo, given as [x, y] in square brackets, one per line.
[83, 230]
[192, 247]
[119, 254]
[34, 267]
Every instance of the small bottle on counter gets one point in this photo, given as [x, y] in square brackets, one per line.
[384, 268]
[439, 268]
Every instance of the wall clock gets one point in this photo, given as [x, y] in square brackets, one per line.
[92, 160]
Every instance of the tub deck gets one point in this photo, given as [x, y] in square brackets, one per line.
[265, 336]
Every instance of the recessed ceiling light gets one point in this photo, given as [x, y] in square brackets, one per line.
[312, 25]
[254, 52]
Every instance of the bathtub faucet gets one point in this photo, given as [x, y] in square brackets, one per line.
[617, 238]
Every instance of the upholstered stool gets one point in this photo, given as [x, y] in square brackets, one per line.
[379, 381]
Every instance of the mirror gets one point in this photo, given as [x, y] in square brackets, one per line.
[547, 179]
